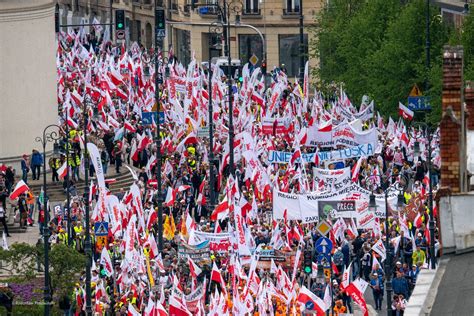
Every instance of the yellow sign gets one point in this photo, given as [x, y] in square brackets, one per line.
[415, 91]
[323, 227]
[100, 242]
[253, 60]
[327, 272]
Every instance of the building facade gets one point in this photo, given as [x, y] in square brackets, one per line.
[28, 100]
[188, 29]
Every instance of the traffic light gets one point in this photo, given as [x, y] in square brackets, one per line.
[308, 261]
[264, 67]
[160, 20]
[120, 20]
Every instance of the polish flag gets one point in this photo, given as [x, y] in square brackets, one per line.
[257, 98]
[405, 112]
[177, 308]
[217, 277]
[106, 262]
[356, 169]
[295, 156]
[129, 127]
[115, 76]
[153, 247]
[305, 296]
[20, 188]
[170, 197]
[78, 99]
[62, 172]
[72, 123]
[221, 210]
[132, 311]
[194, 268]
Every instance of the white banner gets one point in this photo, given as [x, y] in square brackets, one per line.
[342, 134]
[363, 150]
[331, 180]
[95, 158]
[307, 207]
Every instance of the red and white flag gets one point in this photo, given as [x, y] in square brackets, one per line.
[62, 171]
[405, 112]
[358, 297]
[129, 127]
[132, 311]
[305, 296]
[106, 262]
[20, 188]
[356, 169]
[194, 268]
[217, 277]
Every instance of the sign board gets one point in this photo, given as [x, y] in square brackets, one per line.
[323, 245]
[160, 33]
[149, 117]
[415, 91]
[203, 132]
[323, 228]
[120, 34]
[323, 259]
[335, 209]
[419, 103]
[309, 305]
[101, 229]
[253, 60]
[100, 242]
[327, 272]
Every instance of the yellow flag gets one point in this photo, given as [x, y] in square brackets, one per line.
[168, 233]
[172, 224]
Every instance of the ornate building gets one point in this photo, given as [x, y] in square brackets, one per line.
[188, 29]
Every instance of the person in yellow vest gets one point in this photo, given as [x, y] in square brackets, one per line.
[62, 237]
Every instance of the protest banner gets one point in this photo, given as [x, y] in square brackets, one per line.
[199, 253]
[342, 134]
[331, 180]
[193, 299]
[362, 150]
[277, 126]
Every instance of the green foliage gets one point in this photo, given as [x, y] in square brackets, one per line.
[65, 265]
[377, 48]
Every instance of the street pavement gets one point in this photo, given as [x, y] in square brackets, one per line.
[456, 290]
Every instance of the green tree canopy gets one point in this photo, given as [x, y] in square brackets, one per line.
[377, 48]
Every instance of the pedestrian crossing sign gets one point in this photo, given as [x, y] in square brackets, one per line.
[101, 229]
[415, 91]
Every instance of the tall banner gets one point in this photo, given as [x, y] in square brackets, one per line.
[362, 150]
[277, 126]
[97, 163]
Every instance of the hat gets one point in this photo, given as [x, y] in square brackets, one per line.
[25, 155]
[375, 274]
[398, 262]
[419, 235]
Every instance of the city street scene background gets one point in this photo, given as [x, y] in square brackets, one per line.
[229, 157]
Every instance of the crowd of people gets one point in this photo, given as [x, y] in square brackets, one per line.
[226, 248]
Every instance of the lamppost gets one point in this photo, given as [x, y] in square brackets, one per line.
[48, 137]
[416, 148]
[159, 194]
[214, 29]
[87, 243]
[427, 46]
[400, 187]
[302, 50]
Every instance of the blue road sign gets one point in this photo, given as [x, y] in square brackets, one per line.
[419, 103]
[309, 305]
[323, 245]
[323, 257]
[149, 117]
[101, 228]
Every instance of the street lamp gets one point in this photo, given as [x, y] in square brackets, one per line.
[215, 28]
[388, 246]
[87, 243]
[48, 137]
[416, 148]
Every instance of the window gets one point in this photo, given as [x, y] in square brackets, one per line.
[289, 52]
[292, 7]
[251, 7]
[249, 45]
[183, 49]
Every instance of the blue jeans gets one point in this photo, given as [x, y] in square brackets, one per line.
[24, 176]
[104, 168]
[378, 297]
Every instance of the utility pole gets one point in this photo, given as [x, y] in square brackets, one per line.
[302, 45]
[160, 26]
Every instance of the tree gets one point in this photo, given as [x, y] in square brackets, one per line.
[377, 48]
[65, 265]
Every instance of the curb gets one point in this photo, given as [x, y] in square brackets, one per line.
[423, 296]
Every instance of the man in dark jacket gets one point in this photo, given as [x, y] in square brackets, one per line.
[3, 209]
[36, 162]
[400, 285]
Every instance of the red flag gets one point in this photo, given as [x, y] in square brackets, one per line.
[405, 112]
[20, 188]
[358, 297]
[305, 296]
[217, 277]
